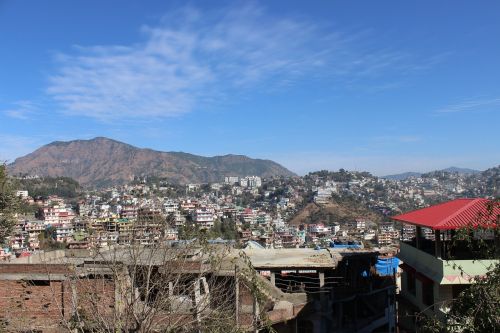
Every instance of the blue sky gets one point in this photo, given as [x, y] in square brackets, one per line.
[382, 86]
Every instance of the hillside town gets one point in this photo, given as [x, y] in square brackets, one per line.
[325, 262]
[241, 210]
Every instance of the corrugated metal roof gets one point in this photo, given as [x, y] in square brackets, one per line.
[453, 214]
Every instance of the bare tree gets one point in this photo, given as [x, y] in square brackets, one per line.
[145, 285]
[190, 286]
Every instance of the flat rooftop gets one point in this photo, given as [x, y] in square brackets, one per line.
[260, 258]
[299, 258]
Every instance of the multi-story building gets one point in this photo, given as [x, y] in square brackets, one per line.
[33, 229]
[251, 182]
[358, 224]
[170, 206]
[248, 216]
[254, 182]
[56, 214]
[22, 194]
[128, 212]
[386, 237]
[436, 270]
[188, 205]
[204, 217]
[263, 219]
[231, 180]
[324, 194]
[319, 228]
[63, 232]
[407, 232]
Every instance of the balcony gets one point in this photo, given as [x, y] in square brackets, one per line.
[453, 271]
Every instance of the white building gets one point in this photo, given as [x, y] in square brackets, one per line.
[358, 224]
[319, 229]
[23, 194]
[57, 214]
[231, 180]
[323, 194]
[170, 206]
[204, 217]
[63, 232]
[251, 182]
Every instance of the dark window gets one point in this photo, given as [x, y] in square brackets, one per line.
[456, 289]
[306, 326]
[428, 293]
[39, 283]
[410, 282]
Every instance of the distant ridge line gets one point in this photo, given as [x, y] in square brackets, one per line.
[102, 162]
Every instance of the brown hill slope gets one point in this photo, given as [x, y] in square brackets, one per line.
[102, 161]
[334, 212]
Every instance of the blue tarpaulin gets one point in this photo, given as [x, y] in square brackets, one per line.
[344, 246]
[387, 266]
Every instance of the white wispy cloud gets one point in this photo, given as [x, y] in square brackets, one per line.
[23, 110]
[192, 58]
[472, 105]
[384, 139]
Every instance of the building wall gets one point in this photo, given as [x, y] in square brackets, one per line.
[31, 301]
[35, 305]
[445, 293]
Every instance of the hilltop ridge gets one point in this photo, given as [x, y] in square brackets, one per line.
[102, 161]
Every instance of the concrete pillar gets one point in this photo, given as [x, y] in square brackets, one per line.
[170, 289]
[206, 289]
[123, 290]
[273, 278]
[437, 242]
[256, 314]
[339, 307]
[74, 296]
[197, 300]
[237, 297]
[323, 299]
[418, 233]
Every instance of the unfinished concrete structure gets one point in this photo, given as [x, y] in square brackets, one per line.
[343, 292]
[291, 290]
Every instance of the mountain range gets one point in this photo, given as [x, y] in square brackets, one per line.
[101, 162]
[406, 175]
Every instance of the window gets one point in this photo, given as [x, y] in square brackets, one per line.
[428, 293]
[456, 289]
[39, 283]
[411, 282]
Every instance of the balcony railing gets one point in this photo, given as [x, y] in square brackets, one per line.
[453, 271]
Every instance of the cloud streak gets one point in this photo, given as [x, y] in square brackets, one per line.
[472, 106]
[22, 110]
[193, 58]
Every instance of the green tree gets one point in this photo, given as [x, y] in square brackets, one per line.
[9, 205]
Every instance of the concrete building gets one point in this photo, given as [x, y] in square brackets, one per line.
[323, 194]
[319, 228]
[358, 224]
[301, 290]
[340, 299]
[430, 279]
[204, 217]
[56, 214]
[231, 180]
[23, 194]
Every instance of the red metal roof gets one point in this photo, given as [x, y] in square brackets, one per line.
[453, 214]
